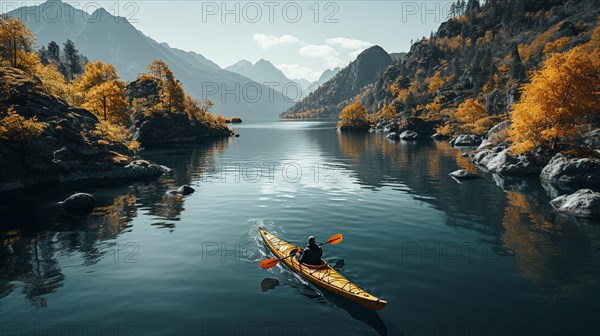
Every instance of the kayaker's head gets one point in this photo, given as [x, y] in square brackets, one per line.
[311, 240]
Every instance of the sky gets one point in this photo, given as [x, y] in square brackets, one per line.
[301, 38]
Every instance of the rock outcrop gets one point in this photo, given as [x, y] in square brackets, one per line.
[67, 149]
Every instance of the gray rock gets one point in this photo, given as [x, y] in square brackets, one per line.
[463, 174]
[571, 171]
[79, 204]
[592, 138]
[185, 190]
[496, 135]
[582, 203]
[408, 135]
[499, 161]
[393, 136]
[466, 140]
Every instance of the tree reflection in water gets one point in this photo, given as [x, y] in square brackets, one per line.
[35, 244]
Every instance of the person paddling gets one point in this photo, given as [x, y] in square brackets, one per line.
[311, 254]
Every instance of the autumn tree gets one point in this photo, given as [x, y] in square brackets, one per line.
[560, 96]
[353, 116]
[15, 40]
[95, 74]
[104, 92]
[172, 94]
[470, 111]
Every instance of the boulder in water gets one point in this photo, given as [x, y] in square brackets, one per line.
[462, 174]
[79, 204]
[582, 203]
[409, 135]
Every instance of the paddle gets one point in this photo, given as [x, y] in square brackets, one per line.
[268, 263]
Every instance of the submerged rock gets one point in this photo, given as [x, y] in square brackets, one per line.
[79, 204]
[582, 203]
[185, 190]
[463, 174]
[393, 136]
[409, 135]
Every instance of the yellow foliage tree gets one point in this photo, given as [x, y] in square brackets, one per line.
[557, 100]
[95, 74]
[470, 111]
[104, 92]
[172, 94]
[436, 82]
[54, 82]
[354, 116]
[108, 102]
[15, 40]
[16, 128]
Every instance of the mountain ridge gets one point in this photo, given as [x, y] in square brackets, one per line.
[130, 51]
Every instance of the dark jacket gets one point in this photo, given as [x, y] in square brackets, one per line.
[311, 255]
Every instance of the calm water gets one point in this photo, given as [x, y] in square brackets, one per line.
[482, 257]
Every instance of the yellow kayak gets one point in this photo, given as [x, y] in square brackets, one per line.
[322, 275]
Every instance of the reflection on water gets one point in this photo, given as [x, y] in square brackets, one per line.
[32, 254]
[380, 181]
[552, 251]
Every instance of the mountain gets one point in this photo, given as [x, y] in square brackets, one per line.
[327, 75]
[329, 99]
[266, 73]
[52, 21]
[305, 85]
[102, 36]
[485, 53]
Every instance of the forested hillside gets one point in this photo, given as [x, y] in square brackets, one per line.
[480, 57]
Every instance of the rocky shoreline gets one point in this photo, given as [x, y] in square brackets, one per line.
[67, 149]
[567, 178]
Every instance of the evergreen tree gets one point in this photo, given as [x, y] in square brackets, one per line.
[53, 52]
[43, 54]
[72, 60]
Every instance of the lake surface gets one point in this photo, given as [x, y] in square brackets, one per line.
[482, 257]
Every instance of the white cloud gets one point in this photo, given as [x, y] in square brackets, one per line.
[299, 71]
[318, 51]
[329, 55]
[348, 44]
[267, 41]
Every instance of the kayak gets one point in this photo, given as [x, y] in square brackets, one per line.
[322, 275]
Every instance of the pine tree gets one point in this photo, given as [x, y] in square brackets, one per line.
[72, 60]
[53, 52]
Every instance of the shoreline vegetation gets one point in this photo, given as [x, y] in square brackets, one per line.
[63, 118]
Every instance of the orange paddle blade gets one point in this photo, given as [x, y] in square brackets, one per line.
[335, 239]
[268, 263]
